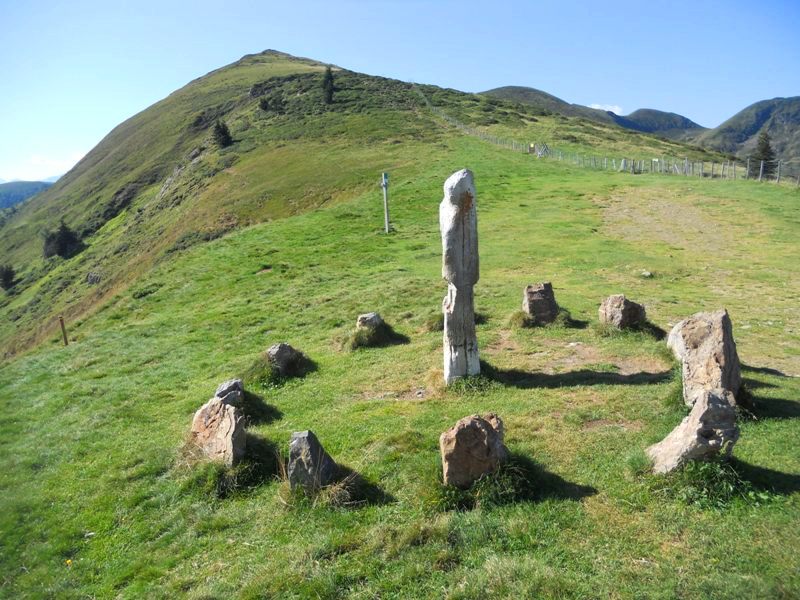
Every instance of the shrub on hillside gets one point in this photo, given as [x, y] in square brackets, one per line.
[222, 135]
[327, 86]
[62, 242]
[7, 276]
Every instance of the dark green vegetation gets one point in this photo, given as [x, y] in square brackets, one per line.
[284, 242]
[7, 276]
[764, 153]
[222, 135]
[62, 241]
[15, 192]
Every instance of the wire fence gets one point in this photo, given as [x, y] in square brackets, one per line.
[780, 172]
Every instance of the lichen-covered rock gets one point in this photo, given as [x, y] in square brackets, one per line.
[230, 391]
[218, 430]
[458, 222]
[284, 359]
[310, 467]
[621, 313]
[705, 346]
[539, 303]
[472, 448]
[371, 320]
[708, 430]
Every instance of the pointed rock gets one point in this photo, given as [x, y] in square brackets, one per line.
[231, 391]
[310, 467]
[708, 430]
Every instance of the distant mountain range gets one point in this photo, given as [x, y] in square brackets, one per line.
[14, 192]
[779, 117]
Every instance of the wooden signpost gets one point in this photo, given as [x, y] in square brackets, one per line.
[385, 186]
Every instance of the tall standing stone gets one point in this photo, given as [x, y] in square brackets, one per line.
[458, 222]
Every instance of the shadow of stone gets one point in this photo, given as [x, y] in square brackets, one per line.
[764, 370]
[754, 384]
[358, 490]
[529, 380]
[651, 329]
[481, 318]
[762, 478]
[258, 412]
[518, 480]
[773, 408]
[564, 319]
[261, 462]
[545, 485]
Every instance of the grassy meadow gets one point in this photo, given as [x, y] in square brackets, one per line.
[98, 499]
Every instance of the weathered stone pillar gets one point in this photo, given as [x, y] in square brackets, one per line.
[458, 222]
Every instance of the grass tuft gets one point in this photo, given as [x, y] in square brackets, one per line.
[371, 337]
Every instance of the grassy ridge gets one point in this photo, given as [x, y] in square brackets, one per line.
[157, 184]
[91, 468]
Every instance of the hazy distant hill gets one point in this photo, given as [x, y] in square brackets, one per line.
[15, 192]
[646, 120]
[779, 117]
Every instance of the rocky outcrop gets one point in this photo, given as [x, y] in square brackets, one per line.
[458, 222]
[472, 448]
[310, 467]
[708, 430]
[705, 346]
[621, 313]
[218, 430]
[539, 303]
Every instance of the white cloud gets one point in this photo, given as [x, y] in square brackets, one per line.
[39, 166]
[615, 108]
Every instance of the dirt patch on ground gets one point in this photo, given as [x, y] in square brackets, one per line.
[659, 215]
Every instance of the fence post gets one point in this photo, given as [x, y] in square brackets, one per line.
[712, 169]
[734, 170]
[63, 329]
[778, 180]
[761, 171]
[747, 172]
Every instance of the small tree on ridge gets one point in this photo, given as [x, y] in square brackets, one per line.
[7, 276]
[327, 86]
[764, 152]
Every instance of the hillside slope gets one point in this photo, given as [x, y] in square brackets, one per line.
[779, 117]
[158, 184]
[15, 192]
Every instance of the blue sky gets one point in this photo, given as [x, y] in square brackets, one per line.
[71, 71]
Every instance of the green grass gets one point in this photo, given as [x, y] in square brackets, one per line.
[93, 470]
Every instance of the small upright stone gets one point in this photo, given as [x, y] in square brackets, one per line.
[218, 430]
[705, 346]
[231, 391]
[621, 313]
[310, 467]
[472, 448]
[284, 359]
[539, 303]
[709, 429]
[371, 320]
